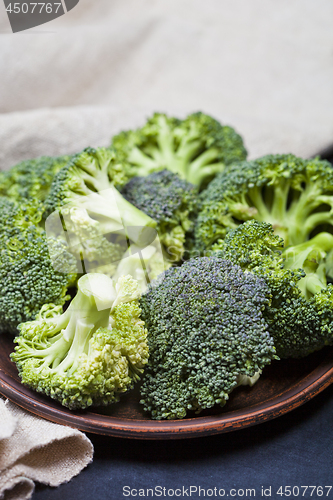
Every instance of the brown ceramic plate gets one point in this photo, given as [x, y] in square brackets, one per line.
[283, 386]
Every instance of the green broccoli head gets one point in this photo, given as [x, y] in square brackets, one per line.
[28, 278]
[92, 352]
[196, 148]
[294, 195]
[206, 334]
[171, 202]
[31, 179]
[300, 316]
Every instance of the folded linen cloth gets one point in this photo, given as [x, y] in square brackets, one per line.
[33, 449]
[264, 67]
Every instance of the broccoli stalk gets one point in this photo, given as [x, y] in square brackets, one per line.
[85, 209]
[195, 148]
[311, 257]
[90, 353]
[292, 194]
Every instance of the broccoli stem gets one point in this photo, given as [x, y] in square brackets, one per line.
[71, 331]
[299, 221]
[145, 164]
[255, 195]
[203, 166]
[165, 141]
[115, 214]
[310, 256]
[279, 206]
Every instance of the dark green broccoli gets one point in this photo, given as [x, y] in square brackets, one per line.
[292, 194]
[84, 203]
[206, 335]
[28, 278]
[300, 316]
[31, 178]
[171, 202]
[90, 353]
[195, 148]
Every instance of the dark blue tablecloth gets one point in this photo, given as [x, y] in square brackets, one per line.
[294, 450]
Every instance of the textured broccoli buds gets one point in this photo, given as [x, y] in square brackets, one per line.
[171, 202]
[31, 179]
[28, 278]
[206, 330]
[300, 316]
[90, 353]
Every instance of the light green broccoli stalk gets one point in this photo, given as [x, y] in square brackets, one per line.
[90, 353]
[311, 257]
[292, 194]
[196, 148]
[143, 264]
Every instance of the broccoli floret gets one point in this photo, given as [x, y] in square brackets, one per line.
[92, 352]
[205, 331]
[31, 178]
[28, 278]
[292, 194]
[300, 316]
[171, 202]
[84, 203]
[195, 148]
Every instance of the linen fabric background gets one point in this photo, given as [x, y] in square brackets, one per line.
[263, 66]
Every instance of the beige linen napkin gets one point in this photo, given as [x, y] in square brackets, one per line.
[33, 449]
[262, 66]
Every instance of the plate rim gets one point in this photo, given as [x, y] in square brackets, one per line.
[298, 394]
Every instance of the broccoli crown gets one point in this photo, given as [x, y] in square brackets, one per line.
[170, 201]
[31, 178]
[195, 148]
[92, 352]
[28, 278]
[206, 330]
[292, 194]
[91, 170]
[300, 316]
